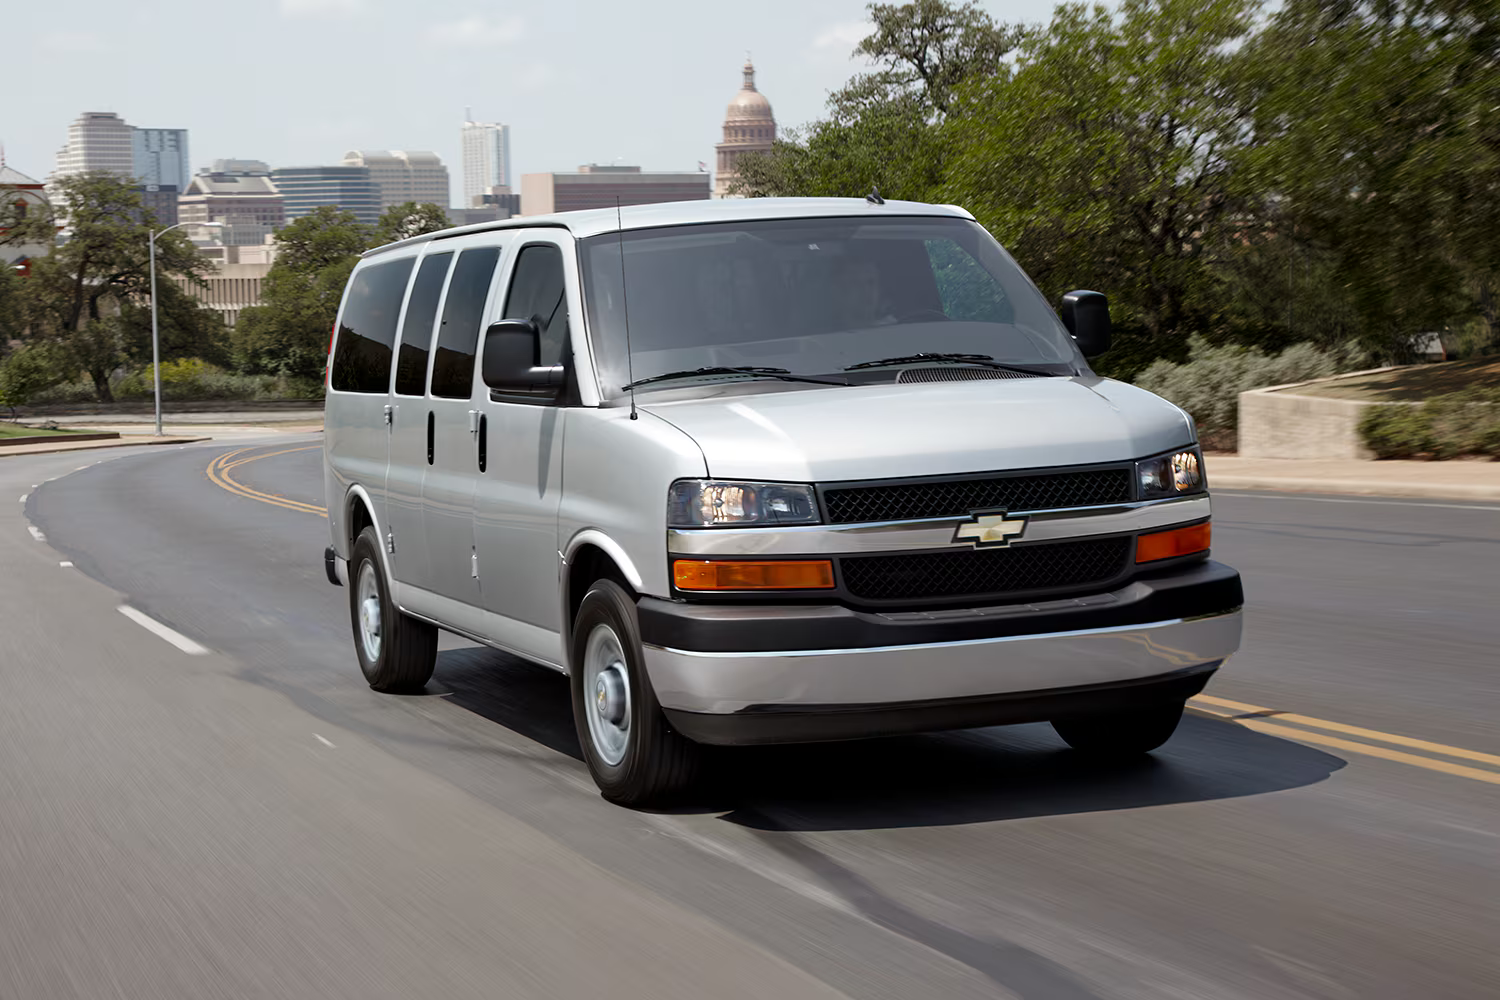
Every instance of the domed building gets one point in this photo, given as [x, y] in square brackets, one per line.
[749, 127]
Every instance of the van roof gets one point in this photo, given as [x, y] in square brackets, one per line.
[594, 221]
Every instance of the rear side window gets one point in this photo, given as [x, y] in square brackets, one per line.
[537, 293]
[367, 329]
[416, 331]
[453, 365]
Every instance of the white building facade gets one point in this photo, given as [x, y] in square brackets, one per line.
[404, 175]
[486, 151]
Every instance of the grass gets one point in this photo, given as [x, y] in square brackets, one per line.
[1411, 384]
[10, 430]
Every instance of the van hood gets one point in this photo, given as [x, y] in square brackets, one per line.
[926, 429]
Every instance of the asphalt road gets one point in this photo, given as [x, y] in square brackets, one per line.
[249, 820]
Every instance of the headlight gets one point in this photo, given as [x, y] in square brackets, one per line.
[709, 503]
[1171, 475]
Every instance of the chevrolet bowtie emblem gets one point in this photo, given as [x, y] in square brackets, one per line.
[990, 530]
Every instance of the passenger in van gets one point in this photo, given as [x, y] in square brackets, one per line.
[860, 302]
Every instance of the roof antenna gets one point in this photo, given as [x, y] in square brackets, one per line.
[874, 196]
[625, 305]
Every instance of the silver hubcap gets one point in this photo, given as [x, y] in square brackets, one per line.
[606, 686]
[368, 603]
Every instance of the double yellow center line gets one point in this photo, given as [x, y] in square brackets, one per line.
[1370, 742]
[1287, 725]
[220, 469]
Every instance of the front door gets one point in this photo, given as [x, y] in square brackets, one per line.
[451, 433]
[520, 488]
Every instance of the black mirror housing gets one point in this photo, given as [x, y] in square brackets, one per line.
[1086, 315]
[512, 352]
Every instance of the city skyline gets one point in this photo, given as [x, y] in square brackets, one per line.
[662, 110]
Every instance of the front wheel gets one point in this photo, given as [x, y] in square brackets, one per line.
[396, 653]
[634, 757]
[1126, 734]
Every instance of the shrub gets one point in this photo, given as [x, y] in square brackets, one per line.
[26, 374]
[1209, 384]
[1446, 426]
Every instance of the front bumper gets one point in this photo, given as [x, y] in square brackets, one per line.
[758, 674]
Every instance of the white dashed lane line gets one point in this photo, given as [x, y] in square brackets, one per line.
[177, 639]
[324, 741]
[36, 532]
[66, 565]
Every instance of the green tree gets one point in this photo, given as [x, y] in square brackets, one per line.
[28, 371]
[1104, 158]
[77, 292]
[1392, 174]
[880, 131]
[402, 222]
[287, 334]
[925, 50]
[12, 306]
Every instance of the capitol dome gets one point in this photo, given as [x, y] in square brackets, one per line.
[749, 103]
[749, 127]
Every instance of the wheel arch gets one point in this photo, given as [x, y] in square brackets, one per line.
[592, 555]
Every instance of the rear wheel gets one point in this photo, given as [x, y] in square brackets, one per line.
[634, 757]
[396, 653]
[1129, 733]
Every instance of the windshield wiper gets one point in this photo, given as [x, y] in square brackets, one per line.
[782, 373]
[940, 358]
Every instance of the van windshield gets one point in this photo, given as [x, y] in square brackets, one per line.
[812, 297]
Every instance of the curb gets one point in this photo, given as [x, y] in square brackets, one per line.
[16, 442]
[1358, 487]
[119, 443]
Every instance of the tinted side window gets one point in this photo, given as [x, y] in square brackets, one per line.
[416, 332]
[537, 293]
[969, 292]
[362, 362]
[453, 365]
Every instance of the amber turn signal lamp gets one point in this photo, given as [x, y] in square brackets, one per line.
[692, 574]
[1170, 544]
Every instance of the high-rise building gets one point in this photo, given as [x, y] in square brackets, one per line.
[486, 149]
[749, 127]
[97, 140]
[596, 186]
[239, 194]
[404, 176]
[157, 158]
[304, 189]
[160, 157]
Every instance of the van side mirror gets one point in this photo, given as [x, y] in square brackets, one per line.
[512, 350]
[1086, 315]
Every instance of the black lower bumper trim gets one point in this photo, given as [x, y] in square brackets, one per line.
[329, 557]
[1198, 589]
[761, 724]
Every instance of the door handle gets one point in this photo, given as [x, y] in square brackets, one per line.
[484, 442]
[431, 429]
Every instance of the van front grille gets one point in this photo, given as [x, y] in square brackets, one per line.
[957, 498]
[986, 573]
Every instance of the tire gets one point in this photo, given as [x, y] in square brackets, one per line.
[636, 759]
[401, 657]
[1127, 734]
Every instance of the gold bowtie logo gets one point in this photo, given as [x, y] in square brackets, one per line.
[990, 530]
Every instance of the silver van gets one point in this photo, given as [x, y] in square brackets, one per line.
[765, 471]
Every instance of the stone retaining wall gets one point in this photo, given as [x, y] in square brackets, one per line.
[1276, 422]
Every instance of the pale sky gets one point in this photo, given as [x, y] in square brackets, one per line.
[300, 82]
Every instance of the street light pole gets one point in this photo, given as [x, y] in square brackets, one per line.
[155, 337]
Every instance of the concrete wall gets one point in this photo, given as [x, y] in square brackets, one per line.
[1275, 422]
